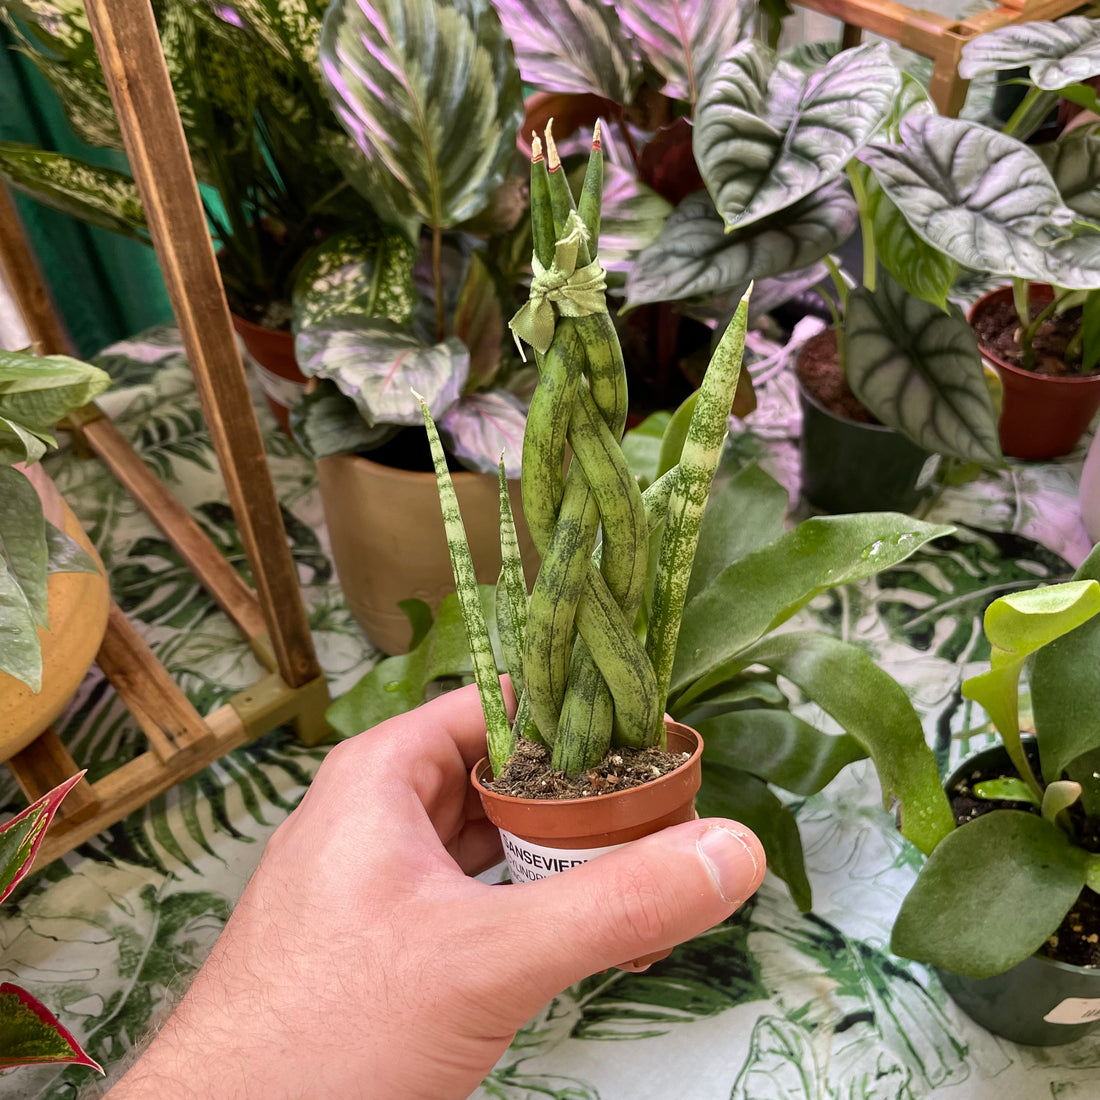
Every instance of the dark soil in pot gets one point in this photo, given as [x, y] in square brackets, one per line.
[820, 373]
[998, 331]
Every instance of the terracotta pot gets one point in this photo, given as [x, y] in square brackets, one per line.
[77, 606]
[272, 353]
[1043, 416]
[388, 544]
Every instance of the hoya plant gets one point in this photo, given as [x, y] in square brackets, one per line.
[29, 1033]
[679, 606]
[35, 393]
[995, 889]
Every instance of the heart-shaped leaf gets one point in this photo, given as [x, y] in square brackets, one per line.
[31, 1035]
[682, 39]
[431, 95]
[1074, 163]
[694, 255]
[369, 273]
[983, 198]
[570, 46]
[325, 422]
[1055, 53]
[482, 426]
[378, 365]
[479, 323]
[38, 391]
[919, 370]
[767, 135]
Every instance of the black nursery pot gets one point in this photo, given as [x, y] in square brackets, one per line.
[1040, 1002]
[852, 467]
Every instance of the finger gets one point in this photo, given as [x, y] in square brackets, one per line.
[642, 899]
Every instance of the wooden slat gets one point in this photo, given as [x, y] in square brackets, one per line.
[166, 716]
[129, 50]
[219, 578]
[44, 764]
[32, 299]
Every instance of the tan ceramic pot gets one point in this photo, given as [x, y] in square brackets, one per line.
[77, 606]
[388, 544]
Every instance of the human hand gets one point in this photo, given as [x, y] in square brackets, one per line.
[362, 961]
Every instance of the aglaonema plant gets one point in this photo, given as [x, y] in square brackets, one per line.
[29, 1033]
[996, 888]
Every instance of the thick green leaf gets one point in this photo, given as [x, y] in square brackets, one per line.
[325, 423]
[1090, 334]
[480, 427]
[767, 136]
[23, 540]
[431, 95]
[778, 748]
[766, 587]
[38, 391]
[919, 370]
[873, 709]
[1074, 163]
[20, 444]
[694, 255]
[745, 691]
[358, 272]
[683, 39]
[31, 1035]
[378, 365]
[982, 198]
[96, 195]
[990, 894]
[732, 793]
[1009, 789]
[642, 447]
[479, 324]
[1055, 53]
[65, 555]
[1018, 625]
[20, 652]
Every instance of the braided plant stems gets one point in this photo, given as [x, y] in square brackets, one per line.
[585, 677]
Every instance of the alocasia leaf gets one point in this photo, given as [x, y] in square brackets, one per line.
[478, 428]
[682, 39]
[767, 135]
[1074, 164]
[31, 1035]
[38, 391]
[1055, 53]
[918, 369]
[431, 95]
[573, 46]
[695, 256]
[479, 323]
[378, 365]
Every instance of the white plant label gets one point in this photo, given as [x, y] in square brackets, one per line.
[528, 862]
[1075, 1010]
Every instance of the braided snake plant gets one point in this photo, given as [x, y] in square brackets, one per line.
[584, 677]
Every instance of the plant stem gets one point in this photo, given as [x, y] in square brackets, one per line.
[1026, 119]
[437, 280]
[866, 228]
[625, 129]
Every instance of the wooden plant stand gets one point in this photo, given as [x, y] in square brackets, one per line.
[934, 36]
[272, 618]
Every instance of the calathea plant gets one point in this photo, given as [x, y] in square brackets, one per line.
[35, 393]
[996, 889]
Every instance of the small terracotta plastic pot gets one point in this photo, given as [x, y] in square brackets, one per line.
[1043, 416]
[272, 352]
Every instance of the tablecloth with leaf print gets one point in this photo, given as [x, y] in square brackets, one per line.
[772, 1005]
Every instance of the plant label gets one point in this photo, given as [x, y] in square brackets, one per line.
[1075, 1010]
[528, 862]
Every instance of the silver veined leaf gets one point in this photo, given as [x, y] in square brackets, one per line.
[767, 135]
[573, 46]
[1074, 164]
[918, 369]
[324, 422]
[694, 255]
[480, 426]
[682, 39]
[977, 195]
[378, 365]
[1055, 53]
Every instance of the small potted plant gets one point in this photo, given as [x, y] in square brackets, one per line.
[55, 597]
[1007, 907]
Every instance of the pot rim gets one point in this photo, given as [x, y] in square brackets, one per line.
[805, 395]
[1001, 364]
[396, 473]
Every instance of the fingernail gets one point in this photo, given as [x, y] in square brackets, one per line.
[731, 862]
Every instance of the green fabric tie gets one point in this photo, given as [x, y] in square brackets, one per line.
[577, 293]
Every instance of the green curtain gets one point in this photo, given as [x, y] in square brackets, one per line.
[106, 287]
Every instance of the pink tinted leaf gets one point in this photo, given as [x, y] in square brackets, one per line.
[21, 836]
[31, 1035]
[479, 428]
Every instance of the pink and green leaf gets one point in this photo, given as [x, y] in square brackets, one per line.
[31, 1035]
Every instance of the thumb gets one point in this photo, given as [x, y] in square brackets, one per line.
[643, 898]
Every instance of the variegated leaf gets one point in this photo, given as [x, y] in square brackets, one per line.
[38, 391]
[918, 369]
[480, 426]
[431, 95]
[766, 135]
[479, 324]
[325, 422]
[23, 542]
[1055, 53]
[682, 39]
[20, 444]
[982, 198]
[570, 46]
[378, 365]
[99, 196]
[30, 1034]
[1074, 164]
[694, 255]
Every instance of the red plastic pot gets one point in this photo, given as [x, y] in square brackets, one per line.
[272, 352]
[1043, 416]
